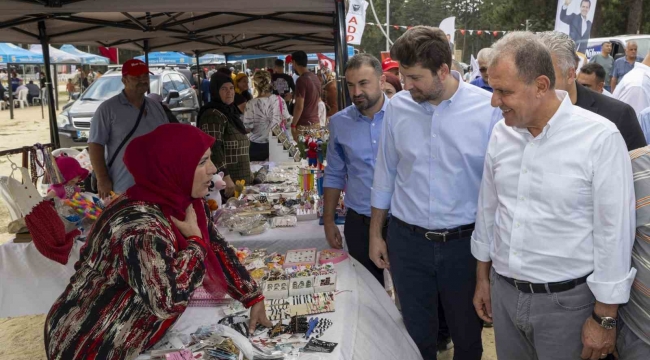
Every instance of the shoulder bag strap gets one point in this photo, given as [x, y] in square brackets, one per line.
[130, 134]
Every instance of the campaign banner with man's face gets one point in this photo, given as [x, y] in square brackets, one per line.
[575, 17]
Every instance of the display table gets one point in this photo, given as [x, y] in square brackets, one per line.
[30, 282]
[307, 234]
[366, 323]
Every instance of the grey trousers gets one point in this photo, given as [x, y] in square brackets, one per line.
[538, 326]
[630, 346]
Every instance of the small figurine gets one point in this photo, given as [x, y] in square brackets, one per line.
[214, 195]
[239, 187]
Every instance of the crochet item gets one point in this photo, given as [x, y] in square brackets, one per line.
[48, 233]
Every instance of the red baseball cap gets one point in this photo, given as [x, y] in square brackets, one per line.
[134, 67]
[389, 64]
[288, 59]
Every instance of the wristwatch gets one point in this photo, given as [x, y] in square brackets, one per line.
[606, 322]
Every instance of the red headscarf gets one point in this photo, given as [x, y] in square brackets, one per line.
[163, 164]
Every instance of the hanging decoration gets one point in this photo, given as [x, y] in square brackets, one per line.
[495, 33]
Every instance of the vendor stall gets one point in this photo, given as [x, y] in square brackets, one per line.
[365, 323]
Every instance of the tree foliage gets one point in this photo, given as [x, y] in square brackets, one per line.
[612, 17]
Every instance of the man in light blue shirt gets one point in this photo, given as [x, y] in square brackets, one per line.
[351, 153]
[428, 171]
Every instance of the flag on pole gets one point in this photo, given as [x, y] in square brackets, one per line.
[355, 21]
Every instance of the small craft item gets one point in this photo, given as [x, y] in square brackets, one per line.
[320, 328]
[239, 323]
[300, 257]
[277, 309]
[306, 214]
[278, 329]
[214, 196]
[334, 256]
[325, 283]
[276, 130]
[240, 185]
[284, 221]
[302, 285]
[276, 289]
[184, 354]
[298, 324]
[83, 206]
[260, 176]
[315, 345]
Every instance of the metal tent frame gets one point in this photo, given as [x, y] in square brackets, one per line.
[271, 27]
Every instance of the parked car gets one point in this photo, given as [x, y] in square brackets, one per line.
[618, 45]
[173, 86]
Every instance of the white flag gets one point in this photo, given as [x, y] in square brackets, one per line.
[476, 72]
[448, 25]
[355, 21]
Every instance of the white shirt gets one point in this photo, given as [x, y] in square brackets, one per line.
[263, 113]
[559, 206]
[584, 24]
[634, 89]
[605, 92]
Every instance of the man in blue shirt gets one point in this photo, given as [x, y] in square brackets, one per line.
[428, 171]
[351, 153]
[483, 81]
[625, 64]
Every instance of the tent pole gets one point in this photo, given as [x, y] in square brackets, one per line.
[55, 80]
[146, 59]
[341, 54]
[198, 74]
[11, 92]
[54, 129]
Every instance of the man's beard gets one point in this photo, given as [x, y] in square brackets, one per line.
[370, 102]
[434, 93]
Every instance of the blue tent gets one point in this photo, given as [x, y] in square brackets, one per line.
[86, 58]
[12, 54]
[167, 57]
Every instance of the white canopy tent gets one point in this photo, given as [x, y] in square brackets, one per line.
[263, 27]
[56, 56]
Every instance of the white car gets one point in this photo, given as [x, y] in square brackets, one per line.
[619, 42]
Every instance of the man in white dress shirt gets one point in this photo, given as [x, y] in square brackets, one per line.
[555, 222]
[634, 89]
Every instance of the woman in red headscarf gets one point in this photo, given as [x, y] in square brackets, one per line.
[148, 251]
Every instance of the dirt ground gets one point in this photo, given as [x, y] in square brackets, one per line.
[27, 128]
[22, 337]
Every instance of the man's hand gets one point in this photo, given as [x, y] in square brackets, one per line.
[597, 341]
[104, 187]
[483, 301]
[294, 134]
[333, 235]
[258, 316]
[567, 2]
[230, 186]
[379, 252]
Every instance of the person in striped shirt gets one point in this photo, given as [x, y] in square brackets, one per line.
[633, 341]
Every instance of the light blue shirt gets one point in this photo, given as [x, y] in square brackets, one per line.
[644, 120]
[430, 161]
[351, 153]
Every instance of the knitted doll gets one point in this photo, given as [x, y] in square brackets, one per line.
[312, 151]
[72, 173]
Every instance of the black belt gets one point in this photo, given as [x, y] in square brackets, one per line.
[548, 288]
[442, 235]
[364, 218]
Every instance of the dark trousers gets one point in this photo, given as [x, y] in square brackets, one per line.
[357, 236]
[425, 272]
[259, 152]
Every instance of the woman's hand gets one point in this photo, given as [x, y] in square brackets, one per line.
[230, 186]
[258, 316]
[190, 226]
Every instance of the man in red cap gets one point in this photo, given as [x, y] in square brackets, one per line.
[116, 122]
[390, 66]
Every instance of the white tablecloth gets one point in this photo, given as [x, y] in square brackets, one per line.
[366, 323]
[30, 282]
[307, 234]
